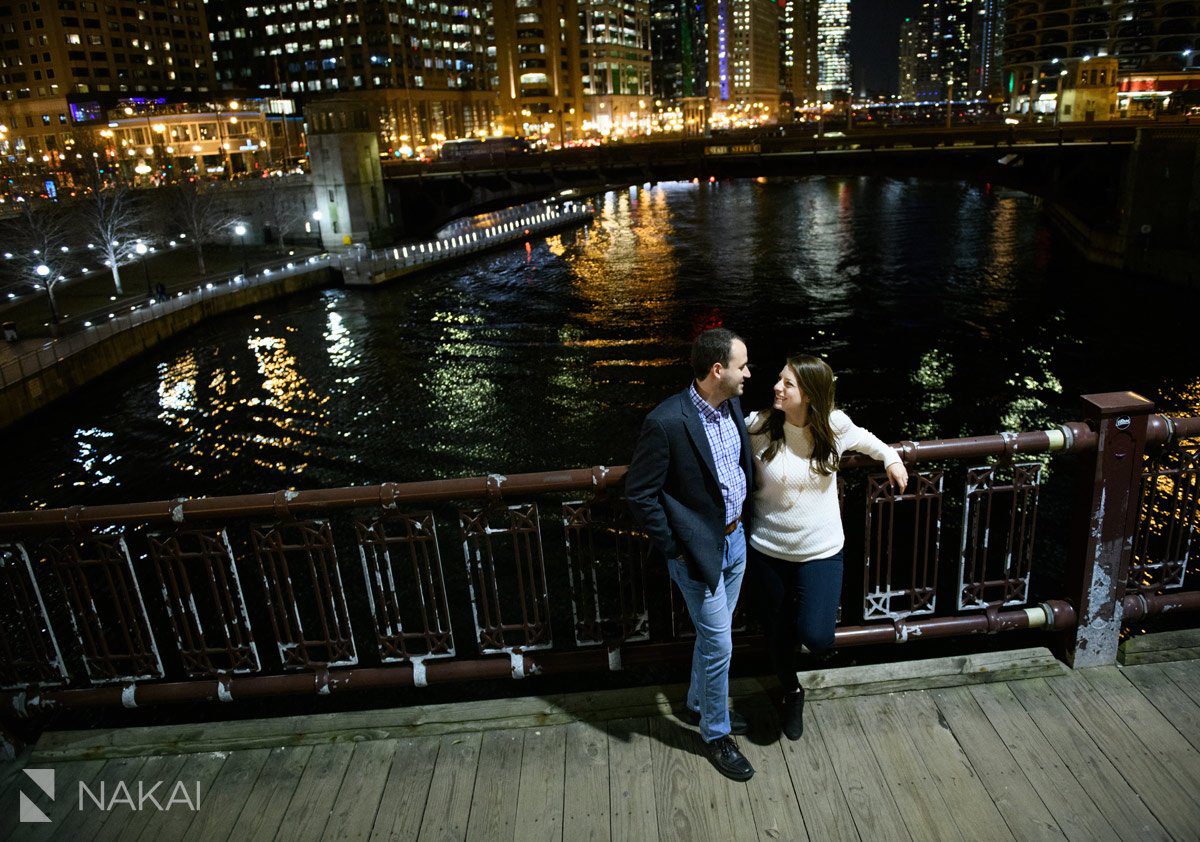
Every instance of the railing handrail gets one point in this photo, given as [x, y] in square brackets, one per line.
[1074, 437]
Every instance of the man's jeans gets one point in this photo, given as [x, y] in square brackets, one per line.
[712, 615]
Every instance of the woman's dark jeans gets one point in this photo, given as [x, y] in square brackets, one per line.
[799, 604]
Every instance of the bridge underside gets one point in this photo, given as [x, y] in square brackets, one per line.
[1088, 176]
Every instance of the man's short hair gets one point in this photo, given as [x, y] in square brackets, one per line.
[711, 347]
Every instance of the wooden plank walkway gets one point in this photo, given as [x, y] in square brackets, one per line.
[1111, 753]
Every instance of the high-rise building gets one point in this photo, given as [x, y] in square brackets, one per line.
[987, 48]
[615, 65]
[798, 69]
[679, 42]
[119, 46]
[833, 49]
[743, 73]
[909, 48]
[64, 64]
[943, 58]
[424, 64]
[539, 75]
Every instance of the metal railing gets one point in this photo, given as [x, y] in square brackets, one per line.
[55, 351]
[257, 595]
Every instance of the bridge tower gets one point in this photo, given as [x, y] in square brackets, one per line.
[347, 179]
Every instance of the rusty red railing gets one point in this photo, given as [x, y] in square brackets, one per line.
[257, 595]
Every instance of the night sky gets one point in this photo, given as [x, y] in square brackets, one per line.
[874, 42]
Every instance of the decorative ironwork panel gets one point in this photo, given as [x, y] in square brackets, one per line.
[305, 596]
[402, 567]
[997, 536]
[1168, 529]
[606, 558]
[106, 608]
[903, 540]
[504, 545]
[29, 653]
[204, 599]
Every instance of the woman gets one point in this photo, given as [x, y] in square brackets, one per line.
[796, 538]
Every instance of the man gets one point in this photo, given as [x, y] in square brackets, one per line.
[687, 487]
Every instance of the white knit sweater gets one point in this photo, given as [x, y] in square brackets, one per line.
[796, 514]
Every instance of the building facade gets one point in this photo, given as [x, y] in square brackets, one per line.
[833, 50]
[616, 66]
[426, 65]
[1156, 44]
[743, 73]
[944, 50]
[679, 49]
[907, 61]
[985, 79]
[798, 70]
[539, 74]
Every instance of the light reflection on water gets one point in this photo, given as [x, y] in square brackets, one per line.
[947, 309]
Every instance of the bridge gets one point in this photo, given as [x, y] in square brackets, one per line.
[1101, 182]
[1028, 729]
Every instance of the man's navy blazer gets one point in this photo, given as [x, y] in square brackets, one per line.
[673, 489]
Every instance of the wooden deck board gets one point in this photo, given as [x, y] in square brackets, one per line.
[694, 801]
[868, 796]
[1086, 762]
[1037, 753]
[451, 789]
[67, 779]
[819, 795]
[126, 823]
[631, 781]
[1093, 755]
[1158, 763]
[540, 791]
[1153, 682]
[966, 799]
[362, 788]
[493, 805]
[313, 800]
[402, 806]
[82, 824]
[223, 803]
[270, 794]
[199, 770]
[1014, 797]
[586, 808]
[925, 813]
[772, 797]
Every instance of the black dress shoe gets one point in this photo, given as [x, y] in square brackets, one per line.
[737, 723]
[723, 754]
[793, 715]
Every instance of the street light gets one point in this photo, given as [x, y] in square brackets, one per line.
[1058, 98]
[43, 272]
[240, 230]
[316, 215]
[141, 249]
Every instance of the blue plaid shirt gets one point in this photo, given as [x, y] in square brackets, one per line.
[726, 445]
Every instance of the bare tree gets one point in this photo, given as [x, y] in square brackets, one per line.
[283, 207]
[199, 210]
[115, 219]
[40, 254]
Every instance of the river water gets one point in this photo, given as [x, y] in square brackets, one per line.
[947, 309]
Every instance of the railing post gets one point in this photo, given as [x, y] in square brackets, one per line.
[1102, 542]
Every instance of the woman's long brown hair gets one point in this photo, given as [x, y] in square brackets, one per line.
[815, 379]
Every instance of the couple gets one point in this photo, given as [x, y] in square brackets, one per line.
[701, 478]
